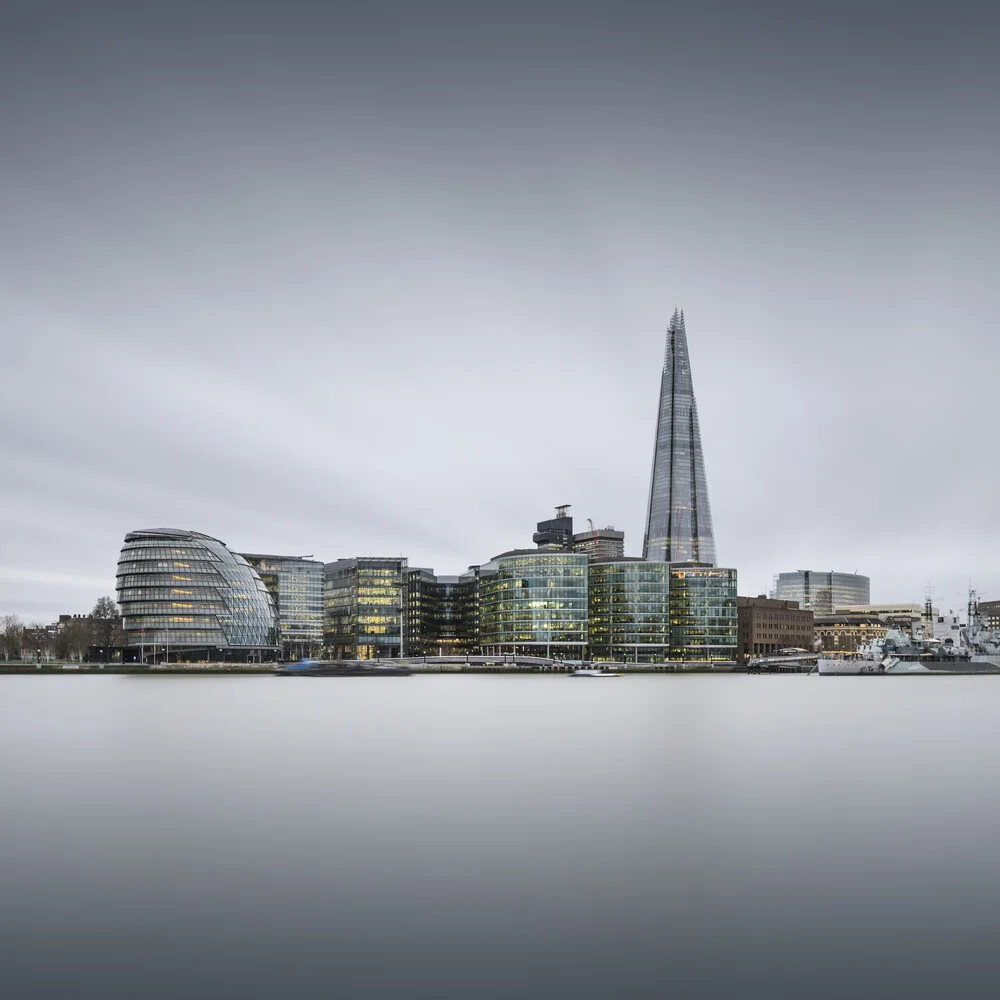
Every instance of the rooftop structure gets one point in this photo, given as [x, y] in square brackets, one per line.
[556, 532]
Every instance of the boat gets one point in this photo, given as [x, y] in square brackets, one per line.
[593, 672]
[983, 643]
[791, 660]
[862, 661]
[342, 668]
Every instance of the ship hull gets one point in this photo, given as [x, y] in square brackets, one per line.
[977, 665]
[829, 666]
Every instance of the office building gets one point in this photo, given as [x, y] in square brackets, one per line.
[822, 593]
[296, 584]
[600, 543]
[534, 603]
[703, 615]
[186, 596]
[629, 611]
[440, 614]
[679, 518]
[767, 626]
[363, 602]
[903, 616]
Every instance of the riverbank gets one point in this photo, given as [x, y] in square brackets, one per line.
[416, 665]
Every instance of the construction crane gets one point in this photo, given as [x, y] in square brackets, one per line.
[593, 536]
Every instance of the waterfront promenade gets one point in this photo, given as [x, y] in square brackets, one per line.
[417, 664]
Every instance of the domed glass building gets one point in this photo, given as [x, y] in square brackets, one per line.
[186, 596]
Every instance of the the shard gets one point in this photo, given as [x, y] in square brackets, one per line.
[679, 519]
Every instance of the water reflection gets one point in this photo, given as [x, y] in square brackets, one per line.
[491, 836]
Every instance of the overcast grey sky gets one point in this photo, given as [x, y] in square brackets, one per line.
[395, 279]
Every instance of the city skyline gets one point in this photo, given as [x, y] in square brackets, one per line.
[388, 282]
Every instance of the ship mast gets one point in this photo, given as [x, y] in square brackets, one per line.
[928, 617]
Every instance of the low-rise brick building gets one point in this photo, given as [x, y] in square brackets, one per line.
[767, 625]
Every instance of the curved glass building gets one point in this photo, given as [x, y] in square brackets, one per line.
[186, 596]
[534, 603]
[630, 611]
[822, 593]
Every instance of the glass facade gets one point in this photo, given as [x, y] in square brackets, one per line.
[703, 615]
[630, 611]
[678, 519]
[363, 608]
[185, 595]
[822, 593]
[440, 614]
[296, 584]
[534, 604]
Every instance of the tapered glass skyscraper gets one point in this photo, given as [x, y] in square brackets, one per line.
[679, 519]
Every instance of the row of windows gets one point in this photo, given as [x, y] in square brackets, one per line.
[188, 637]
[632, 639]
[161, 579]
[653, 619]
[500, 638]
[188, 591]
[136, 622]
[149, 565]
[599, 602]
[132, 608]
[162, 552]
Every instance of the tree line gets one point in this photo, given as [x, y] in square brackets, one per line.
[69, 639]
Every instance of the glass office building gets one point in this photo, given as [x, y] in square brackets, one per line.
[186, 596]
[678, 518]
[534, 603]
[296, 584]
[822, 593]
[363, 602]
[703, 615]
[629, 611]
[439, 614]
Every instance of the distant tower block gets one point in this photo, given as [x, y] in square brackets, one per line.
[679, 518]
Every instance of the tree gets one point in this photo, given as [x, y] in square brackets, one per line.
[13, 632]
[106, 619]
[74, 637]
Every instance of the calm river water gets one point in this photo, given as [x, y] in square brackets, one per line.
[662, 836]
